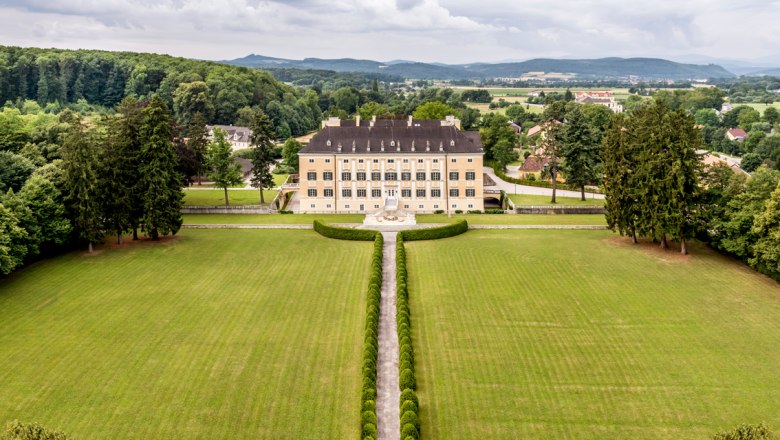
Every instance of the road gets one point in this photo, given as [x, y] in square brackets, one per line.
[511, 188]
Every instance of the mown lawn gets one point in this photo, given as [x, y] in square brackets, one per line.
[515, 219]
[216, 197]
[527, 199]
[216, 334]
[578, 334]
[266, 219]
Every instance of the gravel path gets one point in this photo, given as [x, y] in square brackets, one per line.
[388, 394]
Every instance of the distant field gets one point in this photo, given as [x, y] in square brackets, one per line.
[216, 197]
[282, 219]
[580, 335]
[516, 219]
[526, 199]
[761, 107]
[216, 334]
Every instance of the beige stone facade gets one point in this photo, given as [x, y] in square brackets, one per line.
[418, 177]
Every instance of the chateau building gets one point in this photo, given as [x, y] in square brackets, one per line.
[412, 165]
[239, 137]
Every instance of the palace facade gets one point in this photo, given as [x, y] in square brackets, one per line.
[421, 166]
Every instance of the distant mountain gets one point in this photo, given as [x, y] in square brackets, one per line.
[767, 72]
[604, 68]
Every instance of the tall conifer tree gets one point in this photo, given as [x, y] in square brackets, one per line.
[262, 152]
[160, 183]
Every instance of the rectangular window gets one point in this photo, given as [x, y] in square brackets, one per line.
[421, 175]
[470, 175]
[390, 161]
[346, 160]
[391, 176]
[346, 206]
[471, 206]
[406, 160]
[376, 160]
[435, 160]
[327, 160]
[311, 160]
[435, 193]
[312, 192]
[311, 175]
[435, 206]
[376, 193]
[346, 175]
[435, 175]
[328, 192]
[420, 193]
[406, 176]
[361, 193]
[360, 160]
[453, 160]
[453, 175]
[376, 175]
[346, 193]
[419, 161]
[327, 175]
[470, 192]
[453, 193]
[406, 193]
[361, 175]
[470, 160]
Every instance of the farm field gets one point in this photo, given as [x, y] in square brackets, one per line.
[265, 219]
[216, 197]
[760, 106]
[213, 334]
[528, 199]
[581, 335]
[515, 219]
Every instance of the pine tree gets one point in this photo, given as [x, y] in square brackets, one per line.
[619, 167]
[198, 142]
[160, 184]
[579, 152]
[80, 175]
[221, 167]
[262, 153]
[121, 199]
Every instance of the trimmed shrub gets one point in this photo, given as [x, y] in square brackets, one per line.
[746, 432]
[410, 417]
[473, 211]
[410, 431]
[345, 233]
[494, 211]
[410, 395]
[408, 406]
[368, 417]
[369, 405]
[369, 430]
[439, 211]
[407, 380]
[458, 211]
[450, 230]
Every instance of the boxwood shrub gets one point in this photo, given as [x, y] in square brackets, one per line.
[346, 233]
[450, 230]
[370, 340]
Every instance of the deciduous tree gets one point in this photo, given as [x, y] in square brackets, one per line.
[221, 167]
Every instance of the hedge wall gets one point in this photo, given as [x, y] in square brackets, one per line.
[344, 233]
[450, 230]
[410, 421]
[371, 342]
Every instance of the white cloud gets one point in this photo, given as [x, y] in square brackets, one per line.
[426, 30]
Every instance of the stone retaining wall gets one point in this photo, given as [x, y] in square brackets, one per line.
[552, 209]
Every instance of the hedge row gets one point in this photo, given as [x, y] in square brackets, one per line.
[540, 183]
[371, 344]
[450, 230]
[344, 233]
[410, 421]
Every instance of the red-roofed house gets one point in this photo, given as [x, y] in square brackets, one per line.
[736, 134]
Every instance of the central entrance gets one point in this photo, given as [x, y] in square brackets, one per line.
[391, 199]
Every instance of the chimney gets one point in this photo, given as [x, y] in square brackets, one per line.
[357, 121]
[368, 145]
[398, 145]
[427, 145]
[409, 122]
[382, 145]
[441, 146]
[338, 148]
[412, 144]
[353, 145]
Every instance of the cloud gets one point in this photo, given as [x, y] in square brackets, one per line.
[427, 30]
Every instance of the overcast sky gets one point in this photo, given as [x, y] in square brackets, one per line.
[450, 31]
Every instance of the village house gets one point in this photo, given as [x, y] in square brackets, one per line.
[239, 137]
[541, 129]
[604, 98]
[736, 134]
[354, 166]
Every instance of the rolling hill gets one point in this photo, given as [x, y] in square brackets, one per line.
[603, 68]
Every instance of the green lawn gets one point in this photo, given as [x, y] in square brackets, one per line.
[265, 219]
[216, 197]
[279, 179]
[580, 335]
[217, 334]
[526, 199]
[760, 106]
[515, 219]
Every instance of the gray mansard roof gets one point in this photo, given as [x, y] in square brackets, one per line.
[422, 136]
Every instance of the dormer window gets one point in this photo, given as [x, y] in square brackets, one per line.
[392, 143]
[452, 143]
[328, 143]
